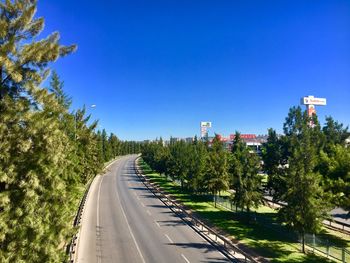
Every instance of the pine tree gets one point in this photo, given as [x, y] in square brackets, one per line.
[334, 165]
[114, 144]
[34, 224]
[197, 164]
[306, 205]
[275, 157]
[244, 167]
[56, 88]
[24, 60]
[178, 162]
[335, 133]
[217, 168]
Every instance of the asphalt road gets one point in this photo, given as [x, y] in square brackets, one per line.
[124, 222]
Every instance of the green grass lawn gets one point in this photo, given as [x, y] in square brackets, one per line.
[263, 240]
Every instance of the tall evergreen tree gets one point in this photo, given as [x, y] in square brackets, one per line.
[178, 162]
[197, 165]
[275, 157]
[23, 59]
[217, 168]
[335, 133]
[306, 205]
[56, 88]
[244, 167]
[334, 165]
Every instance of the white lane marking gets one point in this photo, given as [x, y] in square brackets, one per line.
[143, 204]
[183, 256]
[131, 233]
[148, 212]
[206, 241]
[168, 238]
[158, 225]
[138, 198]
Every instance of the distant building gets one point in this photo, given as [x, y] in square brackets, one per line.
[189, 139]
[252, 141]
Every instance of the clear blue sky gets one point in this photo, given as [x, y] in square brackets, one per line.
[158, 68]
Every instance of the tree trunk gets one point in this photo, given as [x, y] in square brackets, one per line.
[303, 243]
[248, 214]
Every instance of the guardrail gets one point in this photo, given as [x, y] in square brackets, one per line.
[77, 220]
[221, 242]
[337, 225]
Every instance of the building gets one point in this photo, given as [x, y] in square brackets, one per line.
[252, 141]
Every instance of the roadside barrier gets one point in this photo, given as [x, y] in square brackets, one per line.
[225, 245]
[71, 248]
[337, 225]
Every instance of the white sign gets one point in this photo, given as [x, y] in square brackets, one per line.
[310, 100]
[206, 124]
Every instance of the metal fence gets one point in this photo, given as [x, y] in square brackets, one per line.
[330, 223]
[314, 242]
[323, 246]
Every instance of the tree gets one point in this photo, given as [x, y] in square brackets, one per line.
[271, 154]
[156, 155]
[244, 167]
[306, 205]
[335, 168]
[114, 143]
[335, 133]
[106, 149]
[178, 162]
[56, 88]
[217, 168]
[197, 164]
[275, 157]
[24, 60]
[46, 153]
[160, 157]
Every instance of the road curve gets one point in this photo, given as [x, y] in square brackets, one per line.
[124, 222]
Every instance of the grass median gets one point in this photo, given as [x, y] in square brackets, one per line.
[262, 240]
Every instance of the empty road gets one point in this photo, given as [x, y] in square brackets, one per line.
[124, 222]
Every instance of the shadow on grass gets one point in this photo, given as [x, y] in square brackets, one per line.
[301, 258]
[334, 240]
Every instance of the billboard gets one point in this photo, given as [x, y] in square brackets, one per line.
[204, 128]
[310, 100]
[206, 124]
